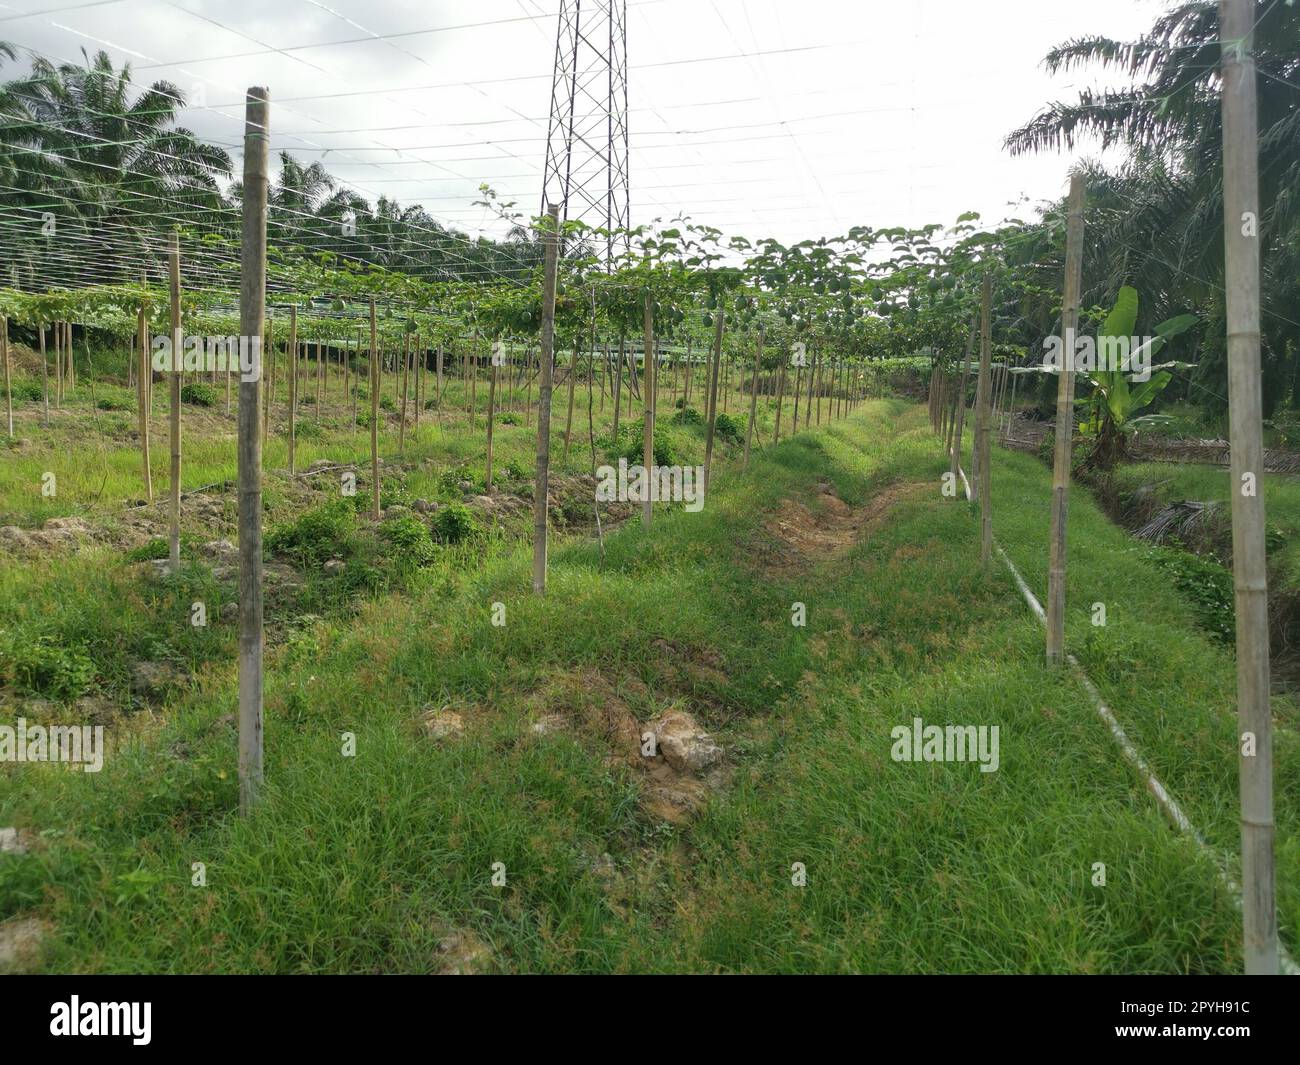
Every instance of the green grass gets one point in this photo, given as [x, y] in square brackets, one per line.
[1175, 482]
[365, 863]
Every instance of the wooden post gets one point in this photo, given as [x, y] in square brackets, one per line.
[959, 429]
[753, 398]
[1245, 416]
[268, 371]
[178, 343]
[376, 379]
[780, 400]
[719, 318]
[648, 376]
[618, 382]
[1064, 426]
[798, 385]
[573, 380]
[144, 373]
[406, 385]
[252, 321]
[419, 383]
[9, 394]
[491, 417]
[45, 372]
[293, 384]
[541, 489]
[982, 421]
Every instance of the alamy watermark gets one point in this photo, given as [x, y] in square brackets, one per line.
[241, 355]
[72, 744]
[1130, 355]
[629, 484]
[919, 742]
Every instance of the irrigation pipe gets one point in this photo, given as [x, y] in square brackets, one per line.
[1167, 803]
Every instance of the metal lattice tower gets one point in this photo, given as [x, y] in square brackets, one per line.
[586, 170]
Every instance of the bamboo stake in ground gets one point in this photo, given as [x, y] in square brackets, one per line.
[712, 407]
[541, 490]
[648, 386]
[753, 399]
[45, 373]
[376, 379]
[1064, 426]
[618, 381]
[406, 385]
[143, 397]
[568, 422]
[959, 428]
[491, 415]
[178, 340]
[293, 385]
[1245, 415]
[9, 393]
[252, 320]
[982, 421]
[780, 401]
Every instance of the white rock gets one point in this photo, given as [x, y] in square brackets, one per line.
[685, 746]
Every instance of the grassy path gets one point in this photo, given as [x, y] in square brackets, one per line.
[384, 861]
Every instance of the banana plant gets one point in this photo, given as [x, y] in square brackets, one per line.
[1117, 396]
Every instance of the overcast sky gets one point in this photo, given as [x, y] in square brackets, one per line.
[785, 118]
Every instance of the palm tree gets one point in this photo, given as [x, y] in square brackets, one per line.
[1158, 223]
[112, 167]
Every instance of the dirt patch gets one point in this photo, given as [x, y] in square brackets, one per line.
[20, 943]
[676, 781]
[830, 527]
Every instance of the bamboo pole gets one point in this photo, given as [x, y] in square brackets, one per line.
[178, 340]
[719, 318]
[1245, 415]
[293, 386]
[959, 428]
[491, 417]
[406, 386]
[753, 399]
[376, 379]
[143, 399]
[541, 489]
[780, 400]
[618, 382]
[9, 392]
[798, 384]
[45, 372]
[252, 321]
[1064, 426]
[982, 421]
[648, 385]
[568, 422]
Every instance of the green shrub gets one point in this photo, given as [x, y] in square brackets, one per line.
[454, 524]
[308, 430]
[729, 428]
[1207, 582]
[509, 418]
[325, 532]
[386, 403]
[28, 390]
[410, 536]
[634, 452]
[110, 403]
[688, 416]
[199, 395]
[515, 471]
[449, 480]
[43, 667]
